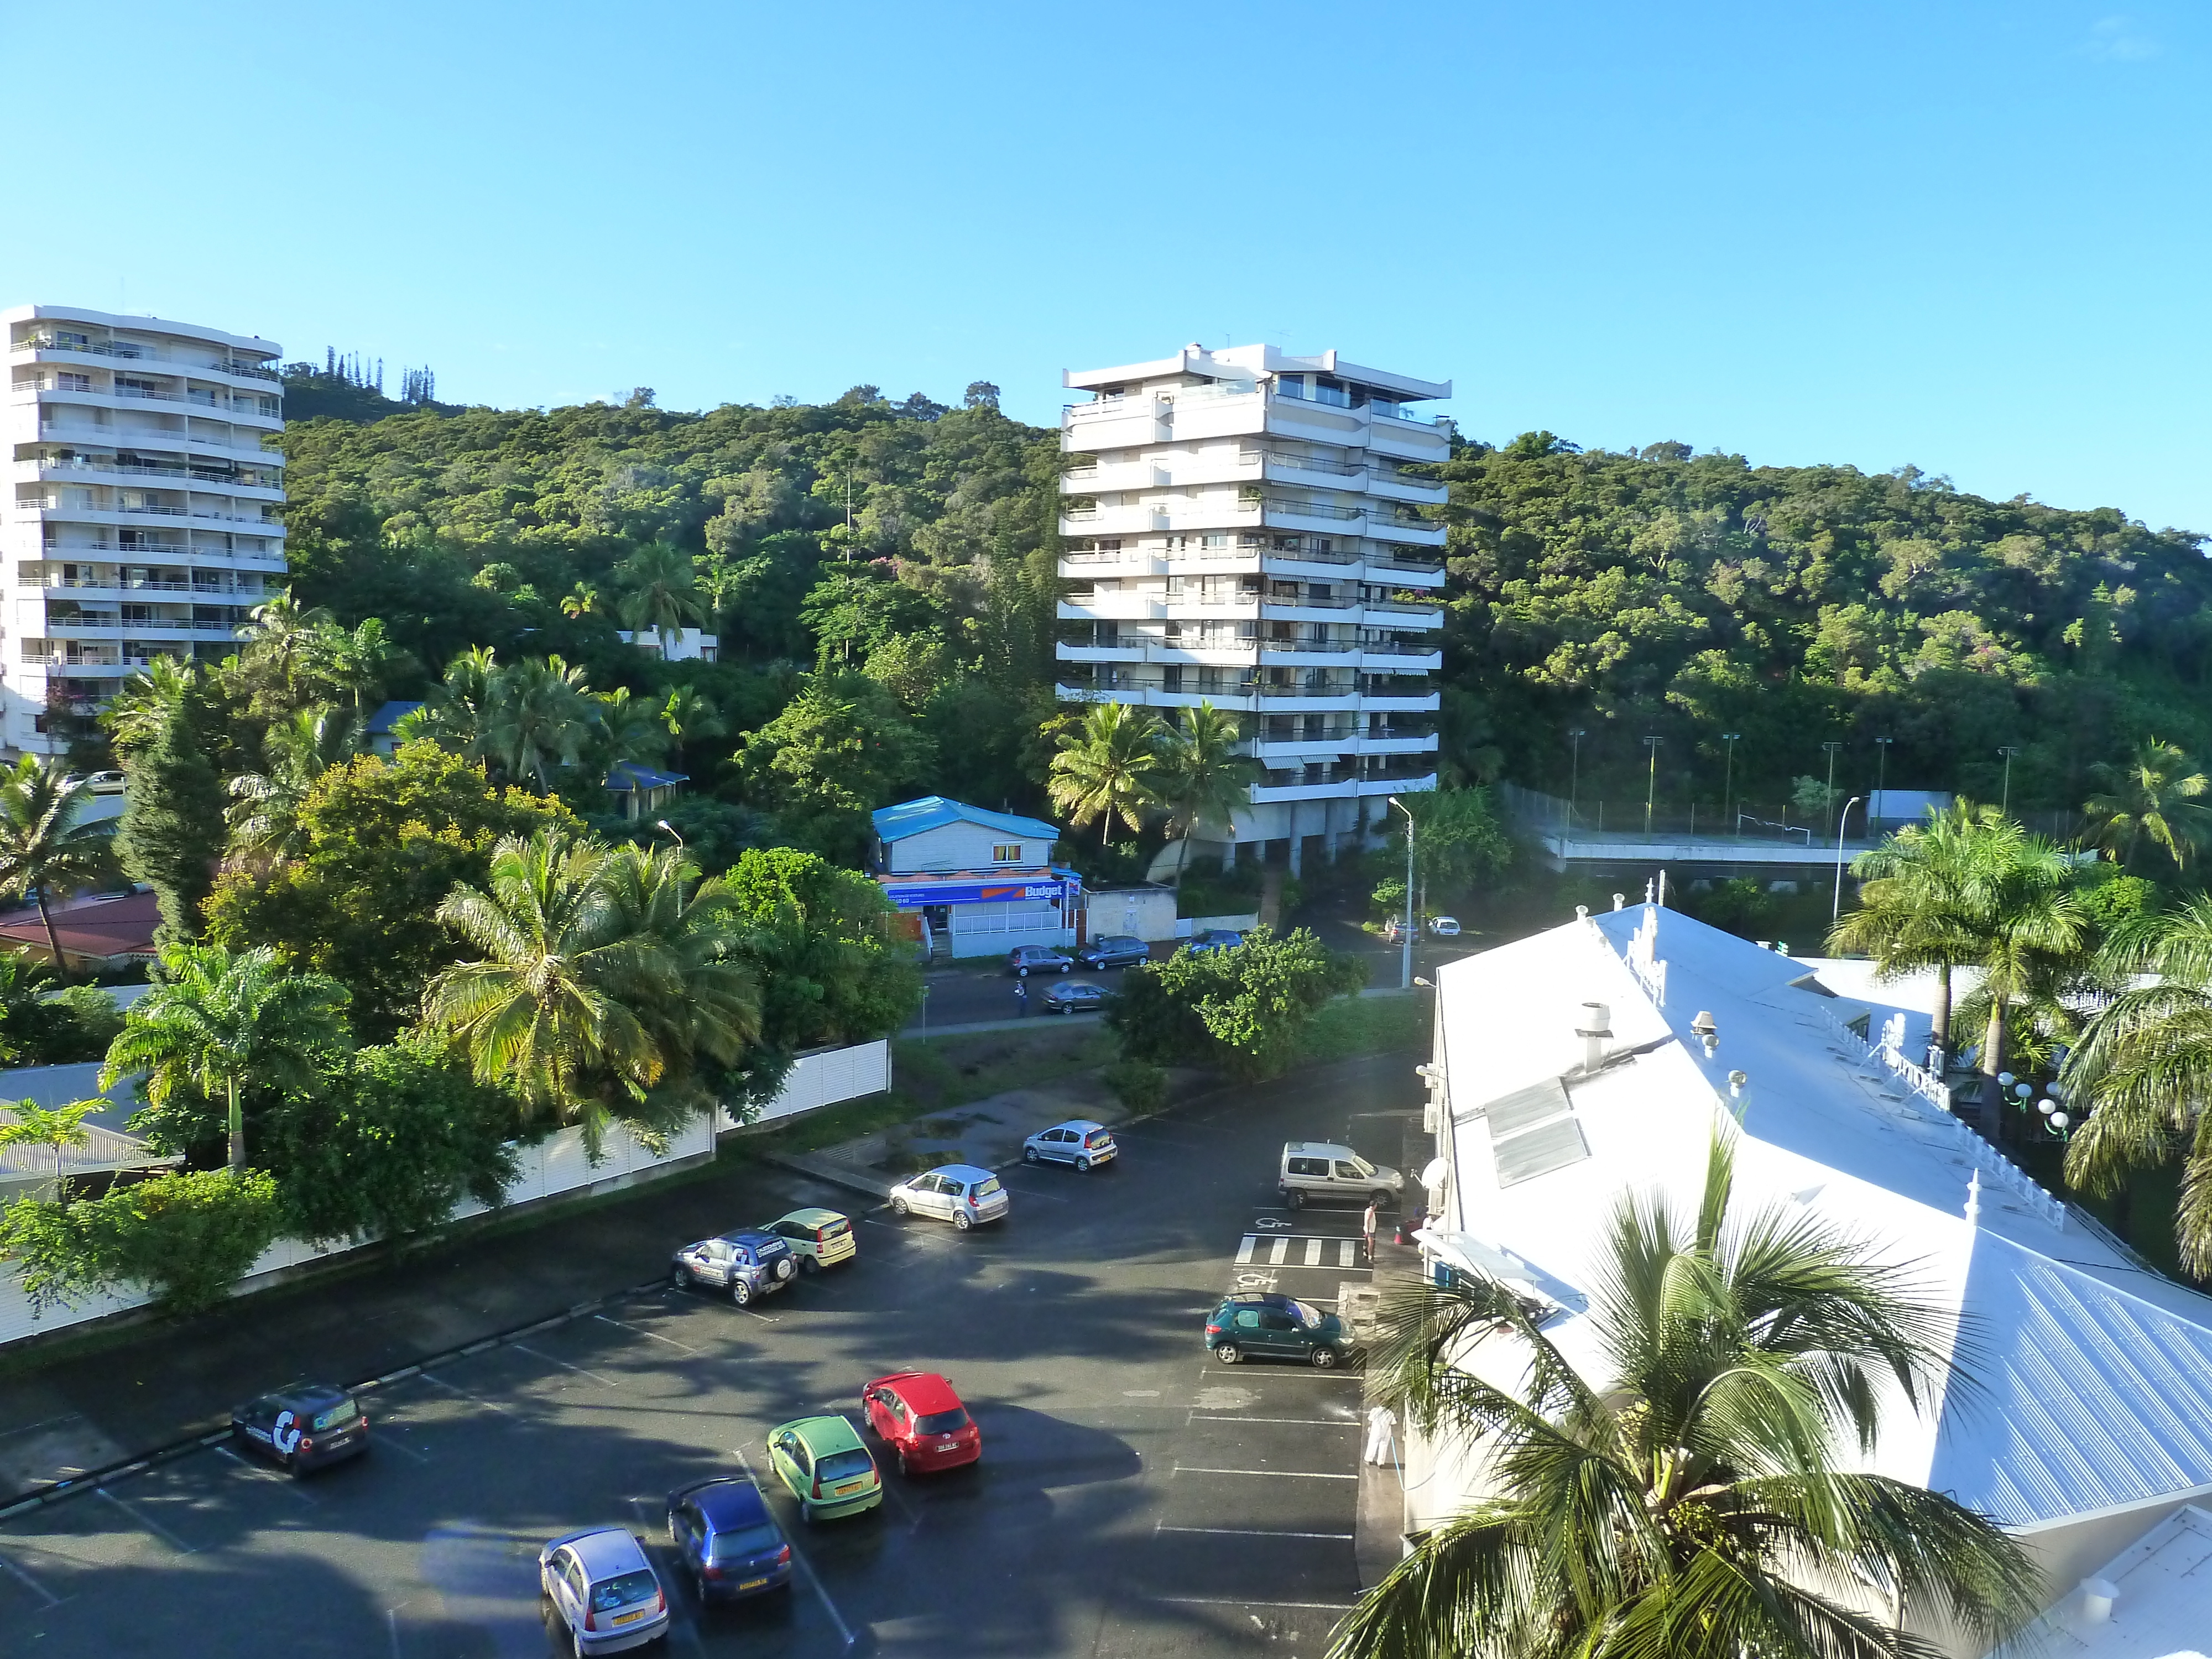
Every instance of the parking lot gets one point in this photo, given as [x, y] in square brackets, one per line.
[1134, 1497]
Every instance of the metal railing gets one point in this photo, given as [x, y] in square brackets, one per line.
[132, 353]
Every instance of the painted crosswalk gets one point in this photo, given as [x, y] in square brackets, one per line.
[1293, 1250]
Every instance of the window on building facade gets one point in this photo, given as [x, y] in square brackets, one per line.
[1006, 853]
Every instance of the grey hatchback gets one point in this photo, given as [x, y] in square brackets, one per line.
[1115, 950]
[604, 1589]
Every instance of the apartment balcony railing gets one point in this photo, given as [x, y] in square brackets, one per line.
[154, 470]
[1399, 648]
[125, 349]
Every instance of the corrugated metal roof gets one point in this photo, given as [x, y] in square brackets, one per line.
[912, 817]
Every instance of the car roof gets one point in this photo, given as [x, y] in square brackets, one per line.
[965, 1171]
[608, 1550]
[1082, 1123]
[307, 1394]
[730, 1502]
[815, 1217]
[752, 1236]
[1076, 988]
[923, 1391]
[1309, 1147]
[822, 1434]
[1259, 1299]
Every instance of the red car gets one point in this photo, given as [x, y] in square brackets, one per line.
[922, 1420]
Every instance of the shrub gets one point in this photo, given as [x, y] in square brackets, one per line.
[1245, 1010]
[1139, 1084]
[185, 1236]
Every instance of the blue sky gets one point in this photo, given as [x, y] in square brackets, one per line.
[1971, 238]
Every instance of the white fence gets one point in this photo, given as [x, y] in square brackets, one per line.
[553, 1166]
[825, 1079]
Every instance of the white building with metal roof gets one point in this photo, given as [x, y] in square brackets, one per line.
[2088, 1416]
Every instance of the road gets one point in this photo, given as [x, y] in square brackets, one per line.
[1136, 1501]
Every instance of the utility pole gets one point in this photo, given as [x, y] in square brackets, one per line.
[1575, 777]
[1406, 945]
[1651, 782]
[1728, 789]
[1828, 795]
[1881, 770]
[2007, 751]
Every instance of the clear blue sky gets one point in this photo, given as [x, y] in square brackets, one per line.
[1972, 237]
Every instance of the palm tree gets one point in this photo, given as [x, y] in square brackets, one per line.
[632, 724]
[266, 805]
[2156, 797]
[61, 1129]
[355, 664]
[696, 997]
[457, 712]
[280, 650]
[2142, 1072]
[580, 602]
[148, 701]
[1913, 899]
[217, 1021]
[540, 714]
[1202, 778]
[1688, 1501]
[45, 849]
[1106, 767]
[2030, 938]
[689, 715]
[664, 591]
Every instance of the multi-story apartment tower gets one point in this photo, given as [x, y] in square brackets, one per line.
[1240, 530]
[143, 513]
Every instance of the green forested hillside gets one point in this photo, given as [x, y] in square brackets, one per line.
[1681, 595]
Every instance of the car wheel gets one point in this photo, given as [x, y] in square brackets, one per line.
[741, 1291]
[1083, 1166]
[1064, 966]
[1228, 1353]
[1021, 973]
[807, 1264]
[960, 1220]
[1325, 1358]
[899, 1207]
[1295, 1199]
[1383, 1199]
[680, 1278]
[1030, 1155]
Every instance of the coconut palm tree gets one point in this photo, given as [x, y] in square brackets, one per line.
[60, 1129]
[2029, 940]
[540, 713]
[280, 651]
[455, 715]
[1685, 1496]
[45, 848]
[143, 706]
[264, 807]
[1106, 767]
[217, 1021]
[2157, 797]
[689, 715]
[663, 592]
[1914, 895]
[356, 663]
[1202, 780]
[631, 724]
[2142, 1072]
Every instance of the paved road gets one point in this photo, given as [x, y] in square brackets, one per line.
[985, 991]
[1135, 1500]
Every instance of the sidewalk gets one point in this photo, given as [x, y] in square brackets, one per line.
[1378, 1534]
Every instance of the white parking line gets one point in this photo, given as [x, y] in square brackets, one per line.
[149, 1522]
[1244, 1250]
[1257, 1532]
[1282, 1248]
[387, 1438]
[1231, 1601]
[29, 1582]
[638, 1330]
[1268, 1475]
[1296, 1422]
[257, 1473]
[1347, 1253]
[804, 1566]
[474, 1399]
[1335, 1374]
[1313, 1252]
[604, 1381]
[1032, 1192]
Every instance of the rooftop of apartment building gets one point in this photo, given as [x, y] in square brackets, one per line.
[118, 324]
[1252, 364]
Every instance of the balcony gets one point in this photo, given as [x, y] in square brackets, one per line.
[106, 468]
[133, 352]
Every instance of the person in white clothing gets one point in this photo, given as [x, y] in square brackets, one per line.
[1381, 1424]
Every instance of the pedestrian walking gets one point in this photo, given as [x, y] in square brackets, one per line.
[1381, 1425]
[1367, 1226]
[1021, 998]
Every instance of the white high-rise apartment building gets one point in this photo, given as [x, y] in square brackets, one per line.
[143, 516]
[1241, 532]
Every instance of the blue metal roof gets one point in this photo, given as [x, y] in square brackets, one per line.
[912, 817]
[389, 716]
[626, 775]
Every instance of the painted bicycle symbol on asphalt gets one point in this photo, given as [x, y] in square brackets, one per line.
[1271, 1224]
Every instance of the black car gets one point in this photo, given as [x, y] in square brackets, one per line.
[302, 1425]
[728, 1540]
[1113, 951]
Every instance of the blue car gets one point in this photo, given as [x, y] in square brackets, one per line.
[727, 1541]
[745, 1264]
[1215, 938]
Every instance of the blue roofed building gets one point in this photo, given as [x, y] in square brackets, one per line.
[1595, 1060]
[641, 792]
[381, 731]
[982, 882]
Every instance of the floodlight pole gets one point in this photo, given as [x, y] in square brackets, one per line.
[1836, 909]
[1406, 945]
[1728, 788]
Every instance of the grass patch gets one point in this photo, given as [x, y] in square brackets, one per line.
[1352, 1026]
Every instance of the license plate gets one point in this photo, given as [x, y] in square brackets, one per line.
[624, 1618]
[752, 1583]
[850, 1485]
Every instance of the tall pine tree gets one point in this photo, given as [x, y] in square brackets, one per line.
[172, 833]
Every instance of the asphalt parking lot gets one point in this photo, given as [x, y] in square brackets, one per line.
[1135, 1498]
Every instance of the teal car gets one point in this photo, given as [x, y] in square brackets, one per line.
[823, 1463]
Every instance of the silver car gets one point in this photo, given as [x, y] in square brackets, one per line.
[1078, 1141]
[604, 1589]
[959, 1193]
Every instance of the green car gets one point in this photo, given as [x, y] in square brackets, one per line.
[1256, 1326]
[823, 1464]
[819, 1238]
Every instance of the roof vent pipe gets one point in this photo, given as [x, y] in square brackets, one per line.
[1596, 1029]
[2098, 1596]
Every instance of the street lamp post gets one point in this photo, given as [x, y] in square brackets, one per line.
[1881, 768]
[1651, 783]
[1828, 795]
[2007, 751]
[1406, 945]
[663, 824]
[1575, 776]
[1728, 788]
[1836, 909]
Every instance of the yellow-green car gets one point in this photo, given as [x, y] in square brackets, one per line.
[823, 1464]
[819, 1238]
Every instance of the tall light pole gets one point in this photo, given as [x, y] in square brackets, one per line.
[1728, 789]
[1881, 775]
[663, 824]
[1575, 777]
[1651, 782]
[1406, 945]
[2007, 751]
[1828, 795]
[1836, 909]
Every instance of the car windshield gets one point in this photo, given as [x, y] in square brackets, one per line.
[745, 1541]
[987, 1186]
[345, 1412]
[619, 1592]
[941, 1422]
[1362, 1165]
[833, 1230]
[842, 1466]
[1309, 1316]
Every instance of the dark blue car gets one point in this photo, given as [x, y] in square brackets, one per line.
[727, 1541]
